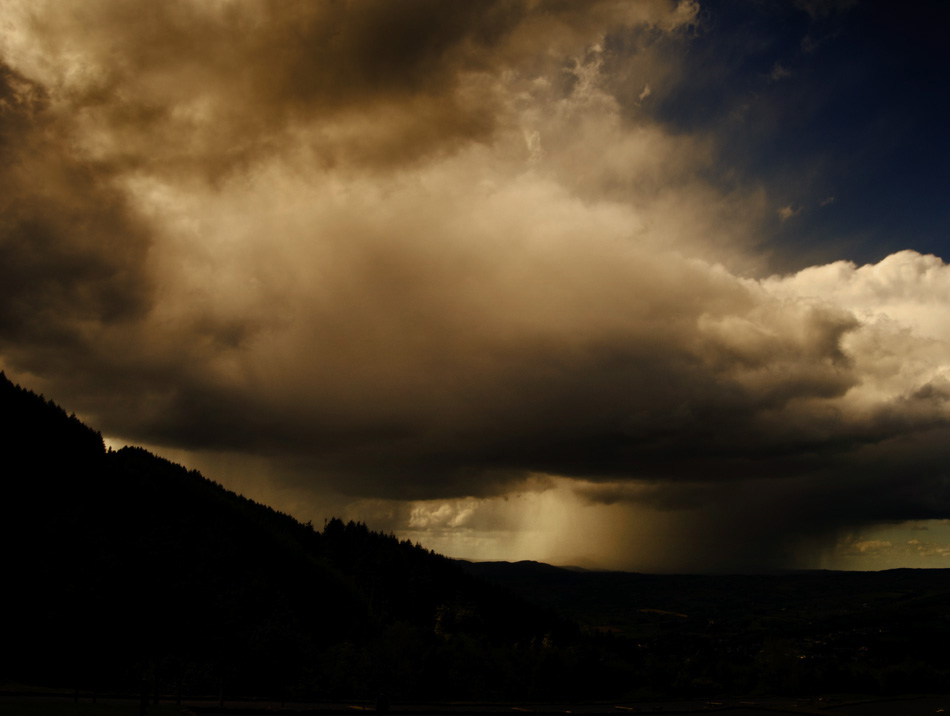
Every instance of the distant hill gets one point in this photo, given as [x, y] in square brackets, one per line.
[795, 632]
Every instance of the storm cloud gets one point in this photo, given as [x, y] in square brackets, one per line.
[425, 256]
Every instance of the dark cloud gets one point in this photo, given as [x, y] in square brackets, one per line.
[210, 88]
[744, 398]
[767, 522]
[72, 251]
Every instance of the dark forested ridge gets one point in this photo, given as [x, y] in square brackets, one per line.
[123, 569]
[122, 566]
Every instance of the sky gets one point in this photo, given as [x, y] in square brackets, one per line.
[642, 285]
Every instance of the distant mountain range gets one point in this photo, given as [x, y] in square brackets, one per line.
[125, 572]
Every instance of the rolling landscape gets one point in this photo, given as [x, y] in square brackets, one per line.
[128, 574]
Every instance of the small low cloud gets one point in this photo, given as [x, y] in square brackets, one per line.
[853, 545]
[779, 72]
[449, 514]
[929, 549]
[787, 212]
[871, 545]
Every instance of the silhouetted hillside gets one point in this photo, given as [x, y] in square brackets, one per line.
[128, 565]
[125, 566]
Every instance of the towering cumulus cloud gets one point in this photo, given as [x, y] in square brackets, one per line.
[453, 267]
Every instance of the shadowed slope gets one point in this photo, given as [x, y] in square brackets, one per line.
[125, 566]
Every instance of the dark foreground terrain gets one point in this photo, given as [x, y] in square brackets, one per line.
[129, 577]
[796, 632]
[65, 705]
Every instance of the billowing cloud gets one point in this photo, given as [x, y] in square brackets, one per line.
[72, 249]
[192, 86]
[424, 257]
